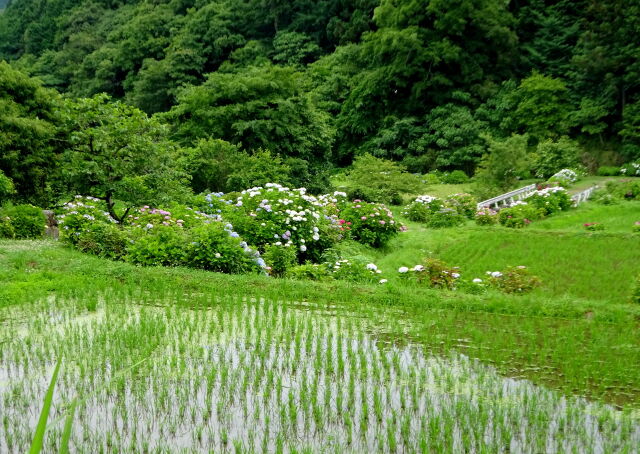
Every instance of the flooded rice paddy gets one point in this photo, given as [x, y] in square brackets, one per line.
[261, 376]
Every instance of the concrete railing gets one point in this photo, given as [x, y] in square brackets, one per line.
[508, 198]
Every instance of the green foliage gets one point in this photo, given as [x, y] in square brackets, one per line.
[550, 200]
[552, 156]
[311, 272]
[594, 226]
[464, 204]
[117, 153]
[608, 171]
[158, 246]
[280, 259]
[455, 177]
[379, 180]
[518, 216]
[81, 217]
[486, 216]
[294, 48]
[631, 169]
[354, 270]
[421, 209]
[260, 108]
[434, 273]
[6, 228]
[7, 188]
[104, 240]
[28, 152]
[635, 297]
[27, 221]
[514, 279]
[445, 217]
[370, 223]
[543, 107]
[625, 189]
[505, 160]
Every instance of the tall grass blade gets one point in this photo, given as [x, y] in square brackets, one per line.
[38, 437]
[68, 425]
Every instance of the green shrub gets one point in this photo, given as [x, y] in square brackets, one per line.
[431, 178]
[552, 156]
[6, 187]
[27, 221]
[515, 279]
[216, 247]
[455, 177]
[635, 296]
[379, 180]
[445, 217]
[486, 216]
[422, 207]
[354, 270]
[604, 198]
[518, 216]
[565, 177]
[311, 272]
[631, 169]
[550, 200]
[369, 223]
[79, 217]
[6, 229]
[626, 189]
[279, 259]
[432, 272]
[594, 226]
[158, 246]
[104, 240]
[608, 171]
[465, 204]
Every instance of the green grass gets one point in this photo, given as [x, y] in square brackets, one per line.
[616, 218]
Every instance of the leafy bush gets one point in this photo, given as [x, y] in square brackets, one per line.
[465, 204]
[379, 180]
[27, 221]
[594, 226]
[455, 177]
[515, 279]
[279, 259]
[635, 296]
[371, 223]
[551, 156]
[6, 187]
[445, 217]
[158, 246]
[431, 178]
[6, 229]
[422, 207]
[216, 247]
[432, 272]
[486, 216]
[104, 240]
[550, 200]
[564, 177]
[519, 215]
[354, 270]
[311, 272]
[608, 171]
[604, 198]
[79, 217]
[626, 189]
[631, 169]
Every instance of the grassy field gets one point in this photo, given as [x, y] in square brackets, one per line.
[160, 359]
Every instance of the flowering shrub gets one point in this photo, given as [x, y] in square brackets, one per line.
[518, 215]
[80, 216]
[212, 247]
[593, 226]
[277, 215]
[475, 286]
[631, 170]
[369, 223]
[445, 217]
[104, 240]
[355, 271]
[550, 200]
[26, 221]
[422, 207]
[6, 229]
[636, 227]
[279, 259]
[433, 272]
[486, 216]
[310, 271]
[464, 204]
[515, 279]
[565, 177]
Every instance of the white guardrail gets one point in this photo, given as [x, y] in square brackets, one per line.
[583, 196]
[508, 198]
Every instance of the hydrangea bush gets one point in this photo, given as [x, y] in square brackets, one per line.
[80, 217]
[550, 200]
[631, 170]
[432, 272]
[514, 279]
[486, 216]
[464, 204]
[565, 177]
[422, 207]
[519, 215]
[369, 223]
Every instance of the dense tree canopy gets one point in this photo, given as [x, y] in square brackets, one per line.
[434, 84]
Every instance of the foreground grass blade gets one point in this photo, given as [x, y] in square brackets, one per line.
[68, 425]
[38, 437]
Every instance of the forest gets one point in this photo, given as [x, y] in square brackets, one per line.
[222, 92]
